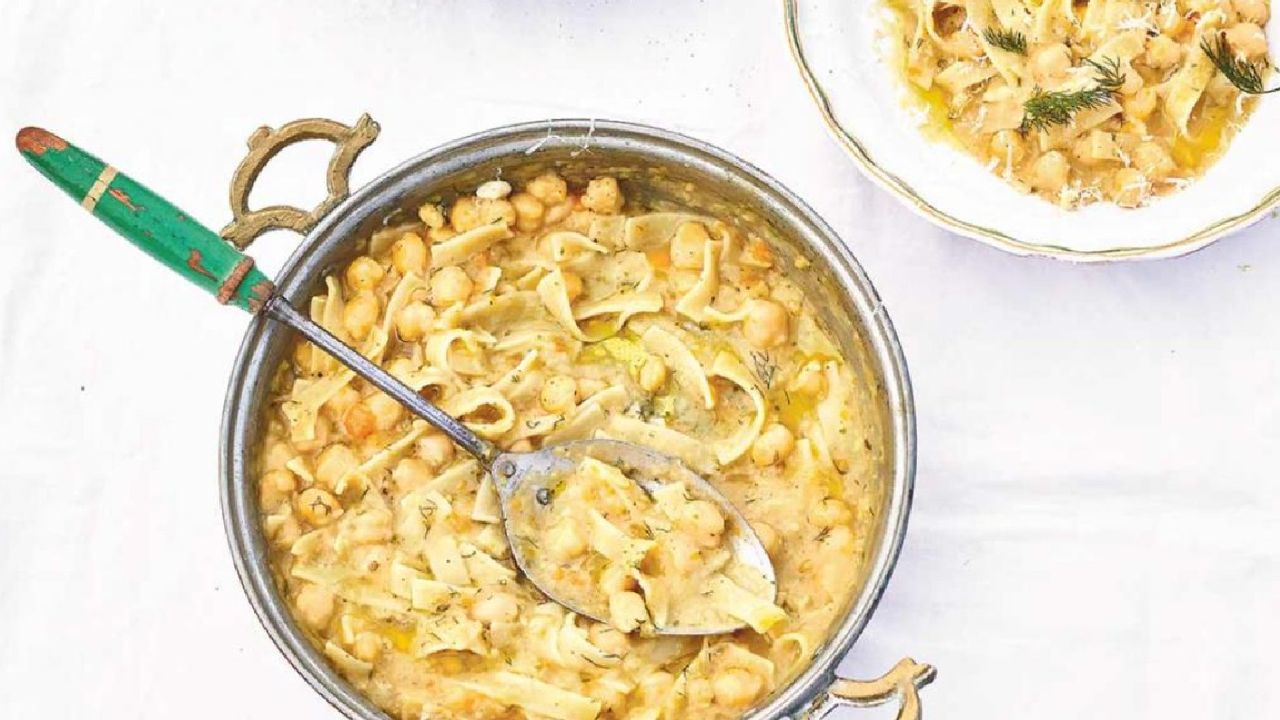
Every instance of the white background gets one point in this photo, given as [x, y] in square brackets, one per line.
[1095, 524]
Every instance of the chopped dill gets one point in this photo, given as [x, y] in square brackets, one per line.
[765, 369]
[1007, 40]
[1059, 107]
[1245, 75]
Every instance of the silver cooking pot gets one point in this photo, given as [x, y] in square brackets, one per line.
[662, 168]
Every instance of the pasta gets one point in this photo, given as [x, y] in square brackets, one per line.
[540, 315]
[1080, 102]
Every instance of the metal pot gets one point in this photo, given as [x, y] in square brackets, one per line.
[662, 167]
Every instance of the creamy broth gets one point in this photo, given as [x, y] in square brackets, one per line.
[541, 316]
[986, 74]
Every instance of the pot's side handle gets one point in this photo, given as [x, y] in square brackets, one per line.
[903, 683]
[264, 144]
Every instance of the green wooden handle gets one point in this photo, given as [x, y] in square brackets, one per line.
[148, 220]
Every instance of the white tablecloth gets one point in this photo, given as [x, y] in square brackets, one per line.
[1095, 524]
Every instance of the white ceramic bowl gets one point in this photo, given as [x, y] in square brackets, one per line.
[837, 46]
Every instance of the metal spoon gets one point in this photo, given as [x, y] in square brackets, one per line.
[197, 253]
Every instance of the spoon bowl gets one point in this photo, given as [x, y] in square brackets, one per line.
[524, 480]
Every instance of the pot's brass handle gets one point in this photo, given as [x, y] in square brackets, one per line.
[903, 683]
[264, 144]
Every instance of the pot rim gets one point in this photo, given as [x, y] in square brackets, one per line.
[239, 507]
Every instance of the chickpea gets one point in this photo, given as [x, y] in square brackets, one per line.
[401, 367]
[529, 211]
[315, 605]
[736, 687]
[603, 196]
[765, 325]
[333, 463]
[465, 214]
[705, 521]
[412, 473]
[769, 537]
[432, 216]
[1162, 52]
[810, 380]
[497, 211]
[341, 401]
[414, 321]
[494, 190]
[498, 607]
[274, 488]
[1130, 187]
[409, 254]
[772, 446]
[564, 541]
[1141, 104]
[318, 507]
[360, 314]
[556, 213]
[558, 394]
[450, 285]
[608, 639]
[277, 456]
[1153, 160]
[1247, 41]
[359, 422]
[1256, 11]
[1051, 63]
[436, 450]
[831, 512]
[1049, 172]
[840, 538]
[1006, 146]
[364, 273]
[387, 411]
[367, 647]
[627, 611]
[653, 374]
[549, 189]
[572, 284]
[687, 245]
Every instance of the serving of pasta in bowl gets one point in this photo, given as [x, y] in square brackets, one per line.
[547, 283]
[1086, 130]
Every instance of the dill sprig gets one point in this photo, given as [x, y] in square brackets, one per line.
[1243, 74]
[1007, 40]
[1046, 109]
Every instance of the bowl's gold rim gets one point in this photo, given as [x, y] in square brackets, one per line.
[904, 192]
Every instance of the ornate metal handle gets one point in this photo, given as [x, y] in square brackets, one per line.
[265, 144]
[902, 683]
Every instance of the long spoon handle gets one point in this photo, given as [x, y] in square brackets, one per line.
[147, 220]
[201, 256]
